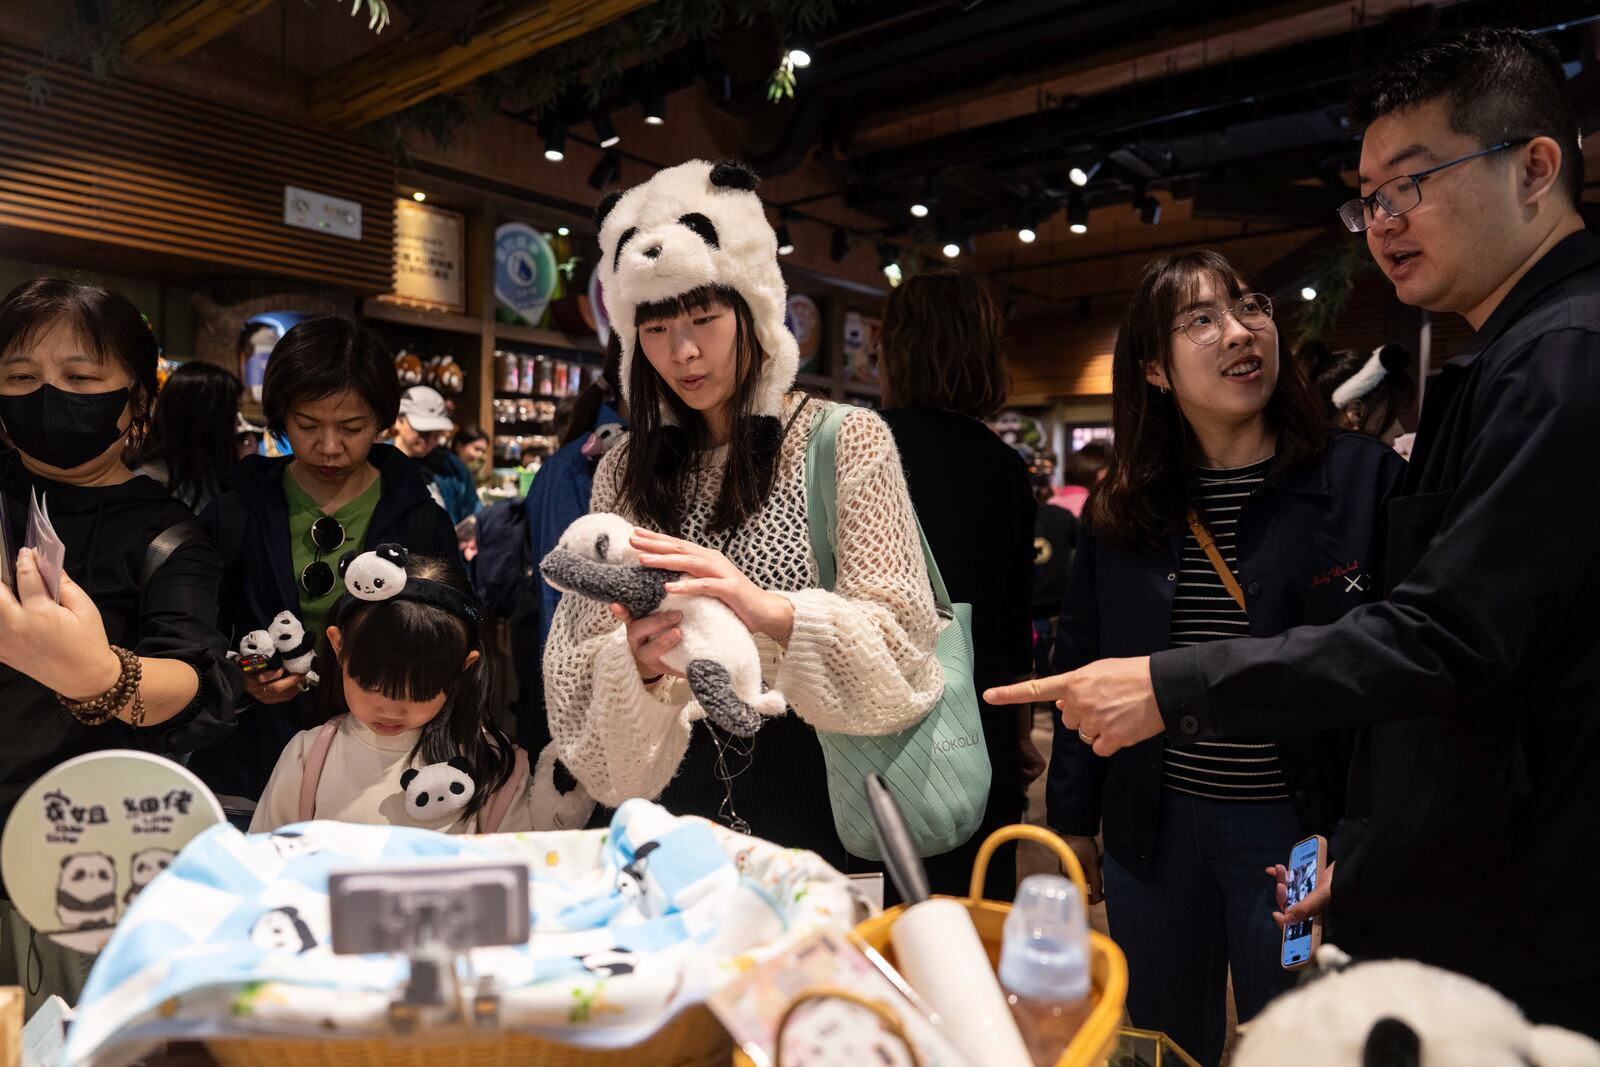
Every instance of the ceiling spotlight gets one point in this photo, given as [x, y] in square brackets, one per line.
[604, 130]
[419, 196]
[1149, 209]
[1078, 214]
[893, 273]
[919, 210]
[1308, 294]
[555, 139]
[1026, 235]
[608, 171]
[655, 103]
[839, 247]
[951, 250]
[785, 242]
[562, 231]
[799, 58]
[1081, 176]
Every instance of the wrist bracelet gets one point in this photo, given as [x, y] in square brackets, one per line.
[104, 708]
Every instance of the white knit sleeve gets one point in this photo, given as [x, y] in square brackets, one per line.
[861, 659]
[619, 738]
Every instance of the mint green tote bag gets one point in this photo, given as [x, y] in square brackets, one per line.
[938, 769]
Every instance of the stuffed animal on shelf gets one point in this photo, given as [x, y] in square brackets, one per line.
[445, 375]
[257, 652]
[439, 789]
[1400, 1013]
[408, 368]
[296, 648]
[717, 654]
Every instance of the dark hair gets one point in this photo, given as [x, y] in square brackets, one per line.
[1377, 409]
[1083, 467]
[412, 651]
[587, 408]
[194, 431]
[1146, 493]
[1501, 84]
[943, 345]
[469, 434]
[324, 356]
[656, 479]
[107, 323]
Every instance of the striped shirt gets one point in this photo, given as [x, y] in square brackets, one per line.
[1238, 769]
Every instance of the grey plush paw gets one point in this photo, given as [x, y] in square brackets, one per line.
[712, 687]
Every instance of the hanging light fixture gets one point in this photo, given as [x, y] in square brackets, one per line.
[799, 57]
[555, 139]
[785, 242]
[605, 132]
[1083, 175]
[1077, 214]
[1027, 235]
[952, 249]
[655, 103]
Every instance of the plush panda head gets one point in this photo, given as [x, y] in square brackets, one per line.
[375, 575]
[437, 790]
[287, 632]
[694, 225]
[600, 537]
[1400, 1013]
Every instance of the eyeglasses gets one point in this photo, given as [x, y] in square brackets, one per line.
[1203, 325]
[1399, 195]
[327, 535]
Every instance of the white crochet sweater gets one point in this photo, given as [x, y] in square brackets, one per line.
[860, 659]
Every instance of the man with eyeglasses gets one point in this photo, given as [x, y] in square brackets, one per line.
[1476, 684]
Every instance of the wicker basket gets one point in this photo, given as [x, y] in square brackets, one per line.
[1108, 968]
[693, 1039]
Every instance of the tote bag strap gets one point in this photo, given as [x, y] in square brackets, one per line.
[822, 505]
[311, 773]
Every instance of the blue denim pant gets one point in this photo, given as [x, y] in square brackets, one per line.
[1206, 908]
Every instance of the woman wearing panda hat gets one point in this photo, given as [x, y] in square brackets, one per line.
[715, 464]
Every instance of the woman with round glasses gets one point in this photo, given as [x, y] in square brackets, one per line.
[1228, 511]
[330, 391]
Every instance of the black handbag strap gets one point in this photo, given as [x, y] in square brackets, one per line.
[165, 544]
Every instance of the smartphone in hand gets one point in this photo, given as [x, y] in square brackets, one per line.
[1307, 862]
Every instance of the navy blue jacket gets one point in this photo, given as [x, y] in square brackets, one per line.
[250, 524]
[1309, 542]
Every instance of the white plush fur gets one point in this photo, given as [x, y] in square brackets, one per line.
[711, 631]
[747, 261]
[1460, 1022]
[553, 809]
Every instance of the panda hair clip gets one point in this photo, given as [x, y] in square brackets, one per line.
[379, 574]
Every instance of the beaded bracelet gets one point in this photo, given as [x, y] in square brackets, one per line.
[104, 707]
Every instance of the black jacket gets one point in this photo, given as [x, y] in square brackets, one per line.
[1308, 551]
[1474, 790]
[250, 524]
[107, 531]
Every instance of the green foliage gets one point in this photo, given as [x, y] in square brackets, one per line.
[1334, 278]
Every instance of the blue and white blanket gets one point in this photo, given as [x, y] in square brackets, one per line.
[630, 925]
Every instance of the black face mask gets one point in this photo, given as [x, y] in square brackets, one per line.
[62, 429]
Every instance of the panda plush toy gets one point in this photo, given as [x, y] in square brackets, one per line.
[438, 790]
[257, 652]
[717, 654]
[295, 648]
[1400, 1013]
[374, 575]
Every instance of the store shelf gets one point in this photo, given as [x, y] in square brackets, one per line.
[383, 311]
[505, 331]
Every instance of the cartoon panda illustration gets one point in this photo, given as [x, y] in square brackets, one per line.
[632, 879]
[282, 930]
[143, 868]
[375, 575]
[86, 892]
[439, 789]
[608, 963]
[291, 844]
[694, 225]
[296, 648]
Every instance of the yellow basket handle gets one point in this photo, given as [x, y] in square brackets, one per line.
[1064, 853]
[885, 1014]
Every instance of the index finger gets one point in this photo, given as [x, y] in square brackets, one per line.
[1034, 690]
[30, 583]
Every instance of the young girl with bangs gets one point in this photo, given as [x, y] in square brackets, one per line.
[416, 687]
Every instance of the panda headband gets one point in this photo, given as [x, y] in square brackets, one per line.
[690, 226]
[379, 575]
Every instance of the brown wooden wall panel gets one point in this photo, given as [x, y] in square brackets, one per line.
[147, 168]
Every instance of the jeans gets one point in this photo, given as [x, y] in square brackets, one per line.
[1206, 908]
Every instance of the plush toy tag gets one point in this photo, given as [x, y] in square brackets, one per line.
[48, 551]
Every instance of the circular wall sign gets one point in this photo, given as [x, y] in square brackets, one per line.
[524, 271]
[88, 836]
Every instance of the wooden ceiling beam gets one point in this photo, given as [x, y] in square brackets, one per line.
[422, 65]
[181, 26]
[1022, 92]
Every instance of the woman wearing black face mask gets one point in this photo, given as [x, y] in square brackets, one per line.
[130, 656]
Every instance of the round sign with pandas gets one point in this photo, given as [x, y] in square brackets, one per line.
[88, 836]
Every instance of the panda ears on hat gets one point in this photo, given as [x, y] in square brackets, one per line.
[603, 209]
[725, 174]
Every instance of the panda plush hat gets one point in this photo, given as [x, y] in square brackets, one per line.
[690, 226]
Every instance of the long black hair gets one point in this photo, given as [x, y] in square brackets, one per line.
[412, 651]
[194, 431]
[656, 478]
[1145, 493]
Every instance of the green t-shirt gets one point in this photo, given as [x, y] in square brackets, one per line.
[355, 517]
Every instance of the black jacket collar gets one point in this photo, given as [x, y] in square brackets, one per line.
[1578, 252]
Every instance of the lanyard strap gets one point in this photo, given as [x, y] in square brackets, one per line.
[1208, 545]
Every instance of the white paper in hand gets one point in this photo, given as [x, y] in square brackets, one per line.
[48, 551]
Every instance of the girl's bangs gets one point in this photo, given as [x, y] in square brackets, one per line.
[690, 303]
[405, 651]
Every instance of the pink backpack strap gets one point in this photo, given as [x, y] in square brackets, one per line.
[311, 773]
[491, 817]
